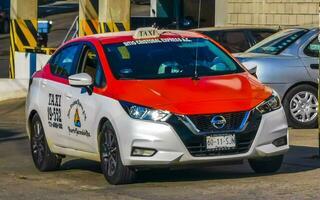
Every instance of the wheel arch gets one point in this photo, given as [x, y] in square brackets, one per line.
[310, 83]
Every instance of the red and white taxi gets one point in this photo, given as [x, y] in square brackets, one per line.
[152, 98]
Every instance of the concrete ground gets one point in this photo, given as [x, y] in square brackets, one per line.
[299, 178]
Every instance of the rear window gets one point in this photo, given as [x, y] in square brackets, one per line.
[166, 58]
[278, 42]
[235, 41]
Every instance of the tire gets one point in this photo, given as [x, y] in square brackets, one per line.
[296, 98]
[43, 158]
[112, 167]
[266, 165]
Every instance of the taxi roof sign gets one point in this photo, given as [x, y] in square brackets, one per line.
[143, 33]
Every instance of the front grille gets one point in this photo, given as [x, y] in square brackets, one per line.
[196, 144]
[203, 122]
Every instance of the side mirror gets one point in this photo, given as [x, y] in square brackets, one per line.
[252, 68]
[82, 80]
[253, 71]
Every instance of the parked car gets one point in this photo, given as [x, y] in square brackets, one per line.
[4, 19]
[288, 61]
[152, 98]
[141, 2]
[237, 39]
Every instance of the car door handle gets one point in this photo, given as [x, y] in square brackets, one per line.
[68, 96]
[314, 66]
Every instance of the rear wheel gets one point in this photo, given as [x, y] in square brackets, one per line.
[267, 164]
[113, 169]
[43, 158]
[301, 107]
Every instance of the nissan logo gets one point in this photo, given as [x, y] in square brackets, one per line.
[218, 122]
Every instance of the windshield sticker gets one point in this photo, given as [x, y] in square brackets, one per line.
[154, 41]
[54, 111]
[77, 116]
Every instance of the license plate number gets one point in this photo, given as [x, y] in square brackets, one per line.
[221, 142]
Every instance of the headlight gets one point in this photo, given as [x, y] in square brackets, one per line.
[144, 113]
[271, 104]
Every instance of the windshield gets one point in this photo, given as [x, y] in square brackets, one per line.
[168, 58]
[278, 42]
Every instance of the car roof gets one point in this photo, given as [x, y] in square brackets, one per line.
[122, 36]
[228, 28]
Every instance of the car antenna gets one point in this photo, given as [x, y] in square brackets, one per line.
[195, 74]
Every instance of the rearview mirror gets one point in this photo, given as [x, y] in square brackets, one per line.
[80, 80]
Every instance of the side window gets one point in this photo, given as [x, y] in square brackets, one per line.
[92, 66]
[259, 35]
[64, 63]
[313, 48]
[235, 41]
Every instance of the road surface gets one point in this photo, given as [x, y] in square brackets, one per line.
[299, 177]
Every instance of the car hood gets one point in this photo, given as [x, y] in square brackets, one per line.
[215, 94]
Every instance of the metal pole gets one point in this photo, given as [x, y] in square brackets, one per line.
[114, 15]
[23, 28]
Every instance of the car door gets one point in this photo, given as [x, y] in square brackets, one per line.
[53, 98]
[310, 58]
[83, 108]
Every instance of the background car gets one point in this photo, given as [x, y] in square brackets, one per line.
[288, 62]
[237, 39]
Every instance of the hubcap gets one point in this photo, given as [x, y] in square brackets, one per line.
[38, 149]
[304, 106]
[110, 152]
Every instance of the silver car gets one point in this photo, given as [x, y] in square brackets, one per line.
[288, 62]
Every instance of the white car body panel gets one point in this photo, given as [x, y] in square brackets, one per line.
[82, 141]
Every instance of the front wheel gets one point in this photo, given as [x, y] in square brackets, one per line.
[43, 158]
[113, 169]
[301, 107]
[267, 164]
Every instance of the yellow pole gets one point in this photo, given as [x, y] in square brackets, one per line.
[88, 17]
[23, 28]
[114, 15]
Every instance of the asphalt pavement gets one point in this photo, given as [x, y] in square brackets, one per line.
[299, 178]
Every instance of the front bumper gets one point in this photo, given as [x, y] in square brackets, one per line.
[172, 150]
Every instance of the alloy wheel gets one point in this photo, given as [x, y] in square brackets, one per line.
[110, 152]
[38, 143]
[304, 106]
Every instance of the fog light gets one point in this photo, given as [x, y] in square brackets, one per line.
[136, 151]
[280, 141]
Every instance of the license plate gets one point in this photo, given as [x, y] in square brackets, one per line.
[221, 142]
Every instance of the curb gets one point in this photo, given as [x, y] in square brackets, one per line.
[13, 88]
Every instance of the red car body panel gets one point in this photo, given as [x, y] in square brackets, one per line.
[210, 94]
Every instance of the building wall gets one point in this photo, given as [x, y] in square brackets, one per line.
[273, 12]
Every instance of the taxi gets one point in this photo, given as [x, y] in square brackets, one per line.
[152, 99]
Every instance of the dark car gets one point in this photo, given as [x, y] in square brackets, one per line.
[237, 39]
[4, 16]
[141, 2]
